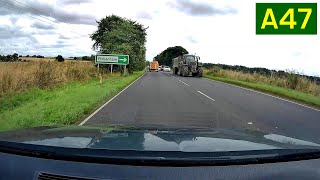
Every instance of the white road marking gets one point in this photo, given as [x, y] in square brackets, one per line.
[95, 112]
[181, 81]
[267, 95]
[206, 95]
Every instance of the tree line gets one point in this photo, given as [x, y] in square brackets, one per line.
[16, 57]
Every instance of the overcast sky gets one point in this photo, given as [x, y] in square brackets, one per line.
[218, 31]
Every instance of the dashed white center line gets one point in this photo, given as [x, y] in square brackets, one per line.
[206, 95]
[181, 81]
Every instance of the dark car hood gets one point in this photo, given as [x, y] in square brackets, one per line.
[147, 139]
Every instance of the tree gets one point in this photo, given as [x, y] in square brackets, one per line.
[166, 56]
[8, 58]
[92, 57]
[27, 55]
[86, 58]
[105, 25]
[116, 35]
[75, 58]
[59, 58]
[15, 57]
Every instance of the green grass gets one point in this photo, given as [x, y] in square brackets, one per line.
[278, 91]
[60, 106]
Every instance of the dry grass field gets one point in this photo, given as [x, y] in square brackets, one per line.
[291, 82]
[41, 73]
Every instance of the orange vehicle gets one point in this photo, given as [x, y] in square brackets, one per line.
[154, 66]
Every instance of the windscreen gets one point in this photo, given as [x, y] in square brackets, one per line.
[245, 72]
[190, 59]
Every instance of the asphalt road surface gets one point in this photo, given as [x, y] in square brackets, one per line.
[161, 99]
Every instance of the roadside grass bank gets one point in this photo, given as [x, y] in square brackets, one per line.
[63, 105]
[286, 93]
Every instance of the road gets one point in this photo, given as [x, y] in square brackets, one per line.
[164, 100]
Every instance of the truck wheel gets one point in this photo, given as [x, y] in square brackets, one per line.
[200, 73]
[185, 71]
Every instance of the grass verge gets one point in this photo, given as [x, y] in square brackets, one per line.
[278, 91]
[62, 105]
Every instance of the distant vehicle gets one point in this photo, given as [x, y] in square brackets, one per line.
[154, 66]
[147, 68]
[166, 69]
[187, 64]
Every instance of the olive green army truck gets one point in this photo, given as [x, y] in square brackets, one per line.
[186, 65]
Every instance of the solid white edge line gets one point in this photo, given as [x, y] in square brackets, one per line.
[266, 95]
[96, 111]
[180, 81]
[205, 95]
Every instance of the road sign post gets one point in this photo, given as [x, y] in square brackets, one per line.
[125, 70]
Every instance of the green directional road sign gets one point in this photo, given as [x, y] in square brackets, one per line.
[112, 59]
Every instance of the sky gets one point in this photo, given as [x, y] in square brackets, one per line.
[217, 31]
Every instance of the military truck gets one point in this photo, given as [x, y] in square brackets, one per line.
[186, 65]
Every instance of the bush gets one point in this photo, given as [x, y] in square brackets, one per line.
[59, 58]
[292, 80]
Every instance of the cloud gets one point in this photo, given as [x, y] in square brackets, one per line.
[59, 44]
[199, 9]
[297, 54]
[8, 32]
[144, 15]
[192, 39]
[13, 19]
[39, 25]
[4, 10]
[43, 32]
[71, 2]
[63, 37]
[38, 8]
